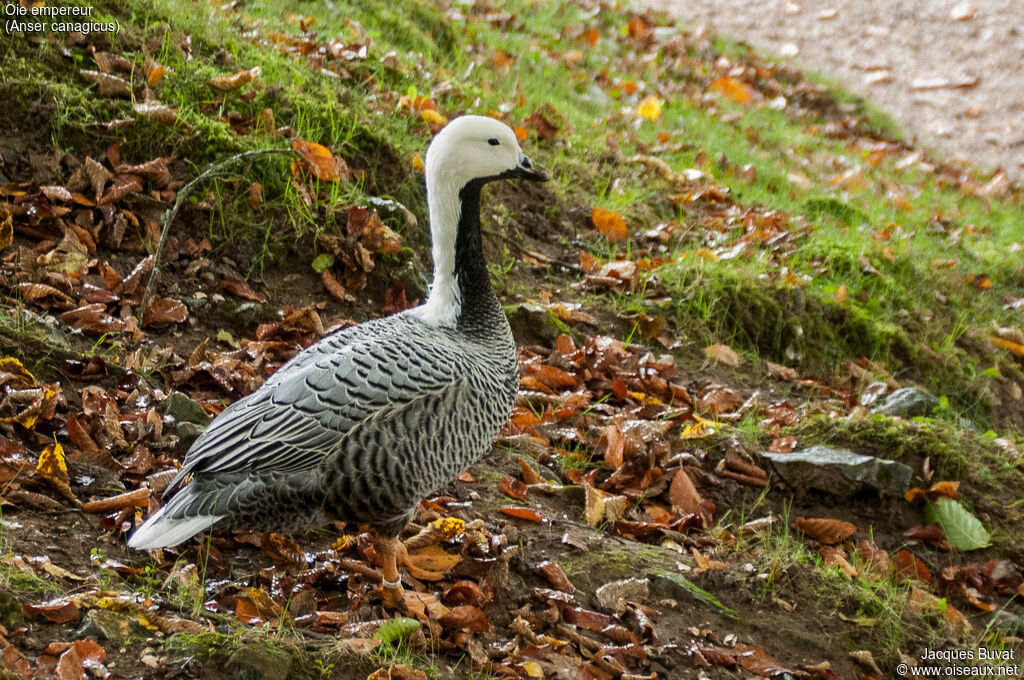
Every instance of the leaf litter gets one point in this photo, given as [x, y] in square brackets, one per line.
[614, 420]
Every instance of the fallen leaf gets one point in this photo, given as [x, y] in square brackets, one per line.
[827, 531]
[319, 159]
[724, 354]
[732, 88]
[556, 577]
[609, 223]
[108, 85]
[235, 81]
[164, 310]
[684, 495]
[156, 112]
[466, 616]
[55, 611]
[242, 289]
[135, 498]
[527, 514]
[649, 108]
[513, 487]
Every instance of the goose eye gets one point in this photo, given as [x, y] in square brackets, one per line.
[493, 141]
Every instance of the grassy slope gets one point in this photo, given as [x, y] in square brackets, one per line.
[889, 238]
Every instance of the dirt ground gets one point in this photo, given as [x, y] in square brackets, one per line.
[948, 70]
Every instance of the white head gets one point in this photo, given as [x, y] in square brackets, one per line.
[469, 148]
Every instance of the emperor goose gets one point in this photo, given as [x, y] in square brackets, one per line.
[363, 424]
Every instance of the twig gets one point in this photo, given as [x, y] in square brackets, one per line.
[534, 254]
[172, 212]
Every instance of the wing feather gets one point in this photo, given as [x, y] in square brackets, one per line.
[300, 414]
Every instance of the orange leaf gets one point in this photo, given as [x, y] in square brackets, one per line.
[732, 88]
[908, 565]
[684, 495]
[521, 133]
[530, 476]
[936, 490]
[609, 223]
[827, 531]
[513, 487]
[1014, 347]
[522, 513]
[321, 161]
[591, 36]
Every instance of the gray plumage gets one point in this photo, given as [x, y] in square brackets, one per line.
[366, 422]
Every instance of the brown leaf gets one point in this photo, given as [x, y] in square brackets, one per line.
[320, 161]
[824, 530]
[924, 603]
[530, 476]
[466, 616]
[541, 124]
[724, 354]
[602, 506]
[616, 446]
[684, 495]
[156, 112]
[69, 666]
[909, 566]
[609, 223]
[513, 487]
[432, 558]
[780, 372]
[55, 611]
[98, 176]
[241, 289]
[255, 195]
[332, 285]
[397, 672]
[135, 498]
[465, 592]
[108, 85]
[235, 81]
[165, 310]
[556, 577]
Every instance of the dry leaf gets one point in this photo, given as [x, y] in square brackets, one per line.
[827, 531]
[156, 112]
[235, 81]
[724, 354]
[242, 289]
[321, 162]
[610, 223]
[522, 513]
[684, 495]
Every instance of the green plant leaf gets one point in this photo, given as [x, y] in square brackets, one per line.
[963, 529]
[322, 262]
[396, 629]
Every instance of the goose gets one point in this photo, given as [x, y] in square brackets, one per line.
[363, 424]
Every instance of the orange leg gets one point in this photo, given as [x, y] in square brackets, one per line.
[391, 587]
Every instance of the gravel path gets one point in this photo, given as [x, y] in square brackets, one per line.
[951, 71]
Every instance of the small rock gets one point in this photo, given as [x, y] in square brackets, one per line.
[188, 433]
[259, 662]
[185, 409]
[532, 325]
[631, 589]
[118, 628]
[908, 402]
[840, 471]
